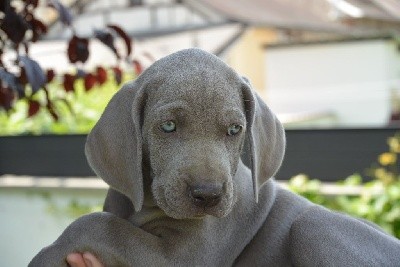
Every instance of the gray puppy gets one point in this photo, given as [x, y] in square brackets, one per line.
[188, 150]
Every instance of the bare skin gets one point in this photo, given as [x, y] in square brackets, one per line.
[83, 260]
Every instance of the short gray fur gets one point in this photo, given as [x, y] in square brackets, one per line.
[149, 217]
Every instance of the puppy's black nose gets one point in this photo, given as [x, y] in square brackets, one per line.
[205, 195]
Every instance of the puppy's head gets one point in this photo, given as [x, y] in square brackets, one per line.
[193, 129]
[186, 120]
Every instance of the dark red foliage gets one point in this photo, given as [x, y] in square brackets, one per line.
[6, 98]
[50, 74]
[37, 27]
[23, 79]
[124, 36]
[34, 107]
[137, 67]
[68, 83]
[90, 81]
[108, 39]
[4, 5]
[117, 75]
[15, 22]
[14, 25]
[78, 49]
[101, 75]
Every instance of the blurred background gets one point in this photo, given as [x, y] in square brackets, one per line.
[330, 70]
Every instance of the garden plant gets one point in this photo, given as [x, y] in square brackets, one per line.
[34, 100]
[379, 199]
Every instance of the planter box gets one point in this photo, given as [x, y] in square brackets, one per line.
[333, 154]
[44, 155]
[327, 155]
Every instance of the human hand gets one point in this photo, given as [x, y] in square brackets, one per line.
[83, 260]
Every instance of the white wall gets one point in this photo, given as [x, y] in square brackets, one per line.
[31, 219]
[351, 79]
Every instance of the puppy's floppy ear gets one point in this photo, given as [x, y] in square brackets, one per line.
[114, 146]
[265, 138]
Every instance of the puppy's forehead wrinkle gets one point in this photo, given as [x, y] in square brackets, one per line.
[165, 106]
[196, 77]
[198, 102]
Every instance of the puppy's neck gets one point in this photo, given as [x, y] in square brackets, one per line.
[147, 214]
[150, 211]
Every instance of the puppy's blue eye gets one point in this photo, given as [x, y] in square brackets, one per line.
[168, 126]
[234, 129]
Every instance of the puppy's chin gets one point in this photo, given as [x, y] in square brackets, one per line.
[176, 204]
[194, 213]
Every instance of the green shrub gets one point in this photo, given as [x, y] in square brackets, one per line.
[77, 110]
[378, 201]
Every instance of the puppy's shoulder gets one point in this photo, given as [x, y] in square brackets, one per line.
[321, 237]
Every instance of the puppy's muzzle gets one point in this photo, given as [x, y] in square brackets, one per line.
[205, 195]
